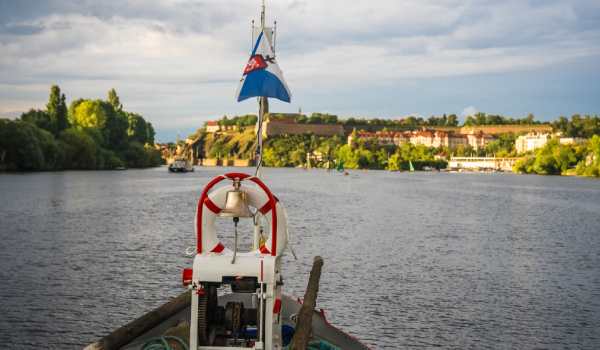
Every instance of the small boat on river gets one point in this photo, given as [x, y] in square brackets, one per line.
[235, 299]
[181, 166]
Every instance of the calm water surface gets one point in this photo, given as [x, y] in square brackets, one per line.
[416, 260]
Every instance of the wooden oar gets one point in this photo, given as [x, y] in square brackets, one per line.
[304, 320]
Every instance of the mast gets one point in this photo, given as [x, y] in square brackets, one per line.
[263, 106]
[262, 16]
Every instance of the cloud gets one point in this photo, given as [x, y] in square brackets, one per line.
[172, 59]
[468, 111]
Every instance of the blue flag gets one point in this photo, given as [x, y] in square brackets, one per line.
[262, 76]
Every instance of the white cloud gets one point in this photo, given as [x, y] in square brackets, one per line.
[469, 111]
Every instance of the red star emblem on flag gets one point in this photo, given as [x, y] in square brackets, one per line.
[255, 62]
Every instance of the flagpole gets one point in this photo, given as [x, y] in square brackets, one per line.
[263, 108]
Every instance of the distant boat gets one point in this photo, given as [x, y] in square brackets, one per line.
[411, 168]
[181, 166]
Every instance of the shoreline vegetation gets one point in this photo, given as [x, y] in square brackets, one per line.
[236, 140]
[96, 134]
[88, 135]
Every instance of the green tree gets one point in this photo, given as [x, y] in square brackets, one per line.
[503, 146]
[39, 118]
[57, 110]
[20, 145]
[589, 165]
[79, 149]
[88, 114]
[452, 120]
[578, 126]
[150, 133]
[115, 128]
[135, 156]
[137, 130]
[114, 100]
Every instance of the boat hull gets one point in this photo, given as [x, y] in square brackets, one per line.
[155, 323]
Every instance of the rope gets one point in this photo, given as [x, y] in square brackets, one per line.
[317, 345]
[321, 345]
[162, 343]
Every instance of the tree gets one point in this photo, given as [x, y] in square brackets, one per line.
[115, 127]
[57, 110]
[452, 120]
[590, 164]
[150, 133]
[113, 99]
[503, 146]
[39, 118]
[137, 130]
[80, 149]
[88, 114]
[20, 145]
[578, 126]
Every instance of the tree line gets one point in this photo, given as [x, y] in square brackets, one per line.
[577, 125]
[89, 134]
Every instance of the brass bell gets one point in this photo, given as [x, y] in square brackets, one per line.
[236, 203]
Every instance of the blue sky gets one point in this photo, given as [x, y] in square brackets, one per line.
[177, 62]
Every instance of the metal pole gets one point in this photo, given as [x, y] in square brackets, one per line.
[263, 108]
[262, 16]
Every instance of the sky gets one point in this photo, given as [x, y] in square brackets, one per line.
[178, 62]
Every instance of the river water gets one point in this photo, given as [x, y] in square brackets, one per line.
[412, 260]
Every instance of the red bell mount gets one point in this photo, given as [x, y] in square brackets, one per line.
[269, 206]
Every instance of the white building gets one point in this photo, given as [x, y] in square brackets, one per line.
[533, 141]
[212, 126]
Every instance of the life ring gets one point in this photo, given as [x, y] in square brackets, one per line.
[211, 203]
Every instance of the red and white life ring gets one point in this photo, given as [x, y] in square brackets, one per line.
[211, 203]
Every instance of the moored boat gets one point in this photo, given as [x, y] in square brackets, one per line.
[181, 166]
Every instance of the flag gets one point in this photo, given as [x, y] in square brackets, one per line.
[262, 76]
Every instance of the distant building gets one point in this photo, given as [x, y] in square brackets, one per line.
[383, 138]
[285, 124]
[481, 163]
[570, 140]
[212, 126]
[478, 140]
[426, 137]
[422, 137]
[505, 129]
[437, 138]
[289, 118]
[533, 141]
[455, 140]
